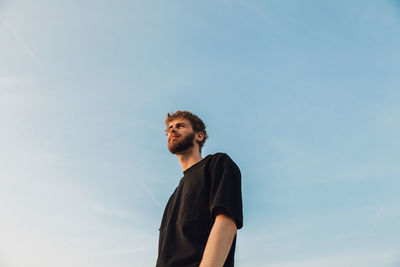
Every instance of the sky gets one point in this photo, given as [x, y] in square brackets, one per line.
[303, 96]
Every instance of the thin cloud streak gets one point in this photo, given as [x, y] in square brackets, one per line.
[378, 215]
[151, 195]
[27, 48]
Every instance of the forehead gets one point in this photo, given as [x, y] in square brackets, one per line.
[179, 120]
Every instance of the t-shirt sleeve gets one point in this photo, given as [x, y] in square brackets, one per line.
[226, 189]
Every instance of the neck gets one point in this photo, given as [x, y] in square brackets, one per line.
[189, 157]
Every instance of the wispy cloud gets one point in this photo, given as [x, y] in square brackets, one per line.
[377, 217]
[151, 195]
[27, 48]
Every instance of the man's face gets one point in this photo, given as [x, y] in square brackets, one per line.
[180, 135]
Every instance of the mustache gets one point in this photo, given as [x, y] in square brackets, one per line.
[172, 136]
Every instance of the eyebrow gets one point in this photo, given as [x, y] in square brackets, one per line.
[179, 123]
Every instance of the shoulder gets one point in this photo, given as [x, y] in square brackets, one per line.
[220, 160]
[219, 156]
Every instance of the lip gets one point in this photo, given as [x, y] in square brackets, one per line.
[173, 137]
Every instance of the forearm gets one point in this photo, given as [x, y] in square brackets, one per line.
[219, 242]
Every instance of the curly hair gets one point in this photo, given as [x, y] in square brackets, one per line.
[197, 124]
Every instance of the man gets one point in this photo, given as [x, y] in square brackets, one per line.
[202, 216]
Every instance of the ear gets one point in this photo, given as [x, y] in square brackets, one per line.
[199, 136]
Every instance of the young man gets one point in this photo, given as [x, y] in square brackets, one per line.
[202, 216]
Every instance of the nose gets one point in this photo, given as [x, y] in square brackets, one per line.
[171, 130]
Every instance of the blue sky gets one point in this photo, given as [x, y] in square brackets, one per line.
[303, 95]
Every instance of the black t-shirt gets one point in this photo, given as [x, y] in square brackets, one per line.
[208, 188]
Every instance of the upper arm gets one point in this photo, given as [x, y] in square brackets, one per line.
[225, 189]
[227, 222]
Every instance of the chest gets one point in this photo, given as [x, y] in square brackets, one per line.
[190, 201]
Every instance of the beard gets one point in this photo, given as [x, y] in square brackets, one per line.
[181, 145]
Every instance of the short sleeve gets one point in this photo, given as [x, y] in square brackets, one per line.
[226, 189]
